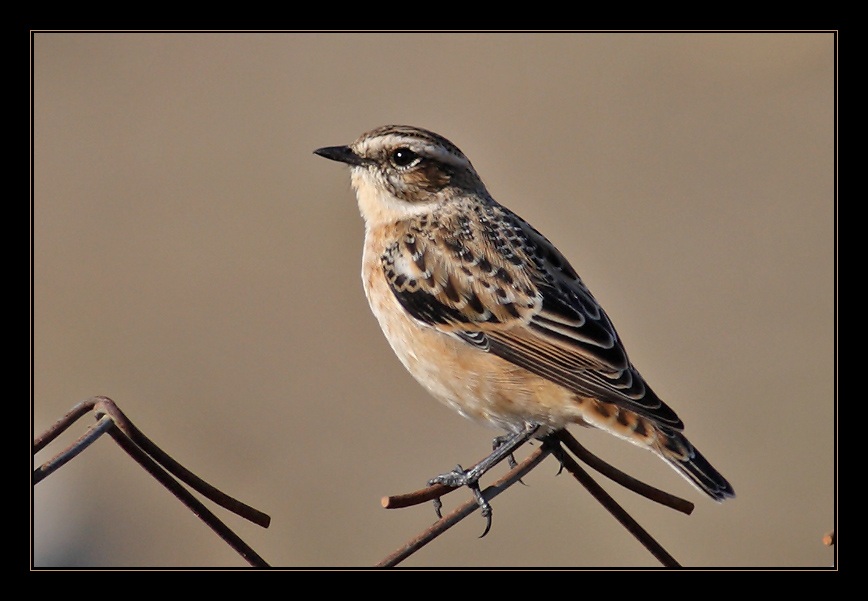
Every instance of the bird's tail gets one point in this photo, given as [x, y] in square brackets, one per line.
[691, 464]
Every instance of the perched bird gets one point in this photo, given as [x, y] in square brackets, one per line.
[486, 313]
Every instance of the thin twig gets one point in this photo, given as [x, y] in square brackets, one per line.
[447, 521]
[194, 504]
[112, 420]
[429, 493]
[63, 423]
[625, 480]
[616, 510]
[179, 471]
[104, 424]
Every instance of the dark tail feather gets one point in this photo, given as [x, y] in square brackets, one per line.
[690, 463]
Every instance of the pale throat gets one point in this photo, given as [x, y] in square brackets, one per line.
[379, 207]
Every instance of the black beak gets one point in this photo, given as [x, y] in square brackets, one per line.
[341, 154]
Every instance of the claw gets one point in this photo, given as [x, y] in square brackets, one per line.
[484, 506]
[557, 455]
[487, 516]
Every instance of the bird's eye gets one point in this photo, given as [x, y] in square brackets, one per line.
[404, 157]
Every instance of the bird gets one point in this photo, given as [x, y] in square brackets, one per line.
[488, 315]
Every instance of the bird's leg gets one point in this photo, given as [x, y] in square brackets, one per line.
[504, 446]
[496, 443]
[500, 441]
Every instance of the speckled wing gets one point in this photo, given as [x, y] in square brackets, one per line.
[500, 285]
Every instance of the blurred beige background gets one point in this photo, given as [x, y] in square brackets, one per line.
[194, 261]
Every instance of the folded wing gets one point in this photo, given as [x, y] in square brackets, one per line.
[501, 286]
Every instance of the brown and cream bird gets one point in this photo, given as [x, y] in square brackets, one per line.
[486, 313]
